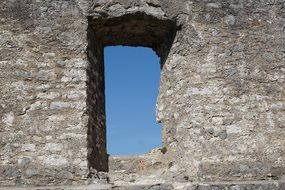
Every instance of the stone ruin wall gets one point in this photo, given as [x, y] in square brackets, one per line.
[221, 99]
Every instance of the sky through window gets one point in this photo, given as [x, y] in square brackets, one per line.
[132, 84]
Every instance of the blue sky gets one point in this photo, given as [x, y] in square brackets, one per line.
[131, 88]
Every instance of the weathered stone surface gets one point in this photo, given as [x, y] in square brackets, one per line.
[145, 187]
[37, 106]
[221, 100]
[254, 185]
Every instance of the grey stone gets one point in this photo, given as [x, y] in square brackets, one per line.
[214, 5]
[11, 172]
[22, 162]
[230, 20]
[221, 95]
[45, 75]
[144, 187]
[223, 134]
[211, 130]
[31, 172]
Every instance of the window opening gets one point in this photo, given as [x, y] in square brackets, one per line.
[132, 77]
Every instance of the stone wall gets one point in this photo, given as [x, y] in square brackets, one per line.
[97, 153]
[222, 90]
[43, 133]
[221, 99]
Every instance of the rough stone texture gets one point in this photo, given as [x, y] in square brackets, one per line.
[221, 101]
[97, 153]
[253, 185]
[146, 169]
[43, 93]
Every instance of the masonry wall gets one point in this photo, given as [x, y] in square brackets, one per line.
[43, 119]
[221, 99]
[97, 151]
[222, 90]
